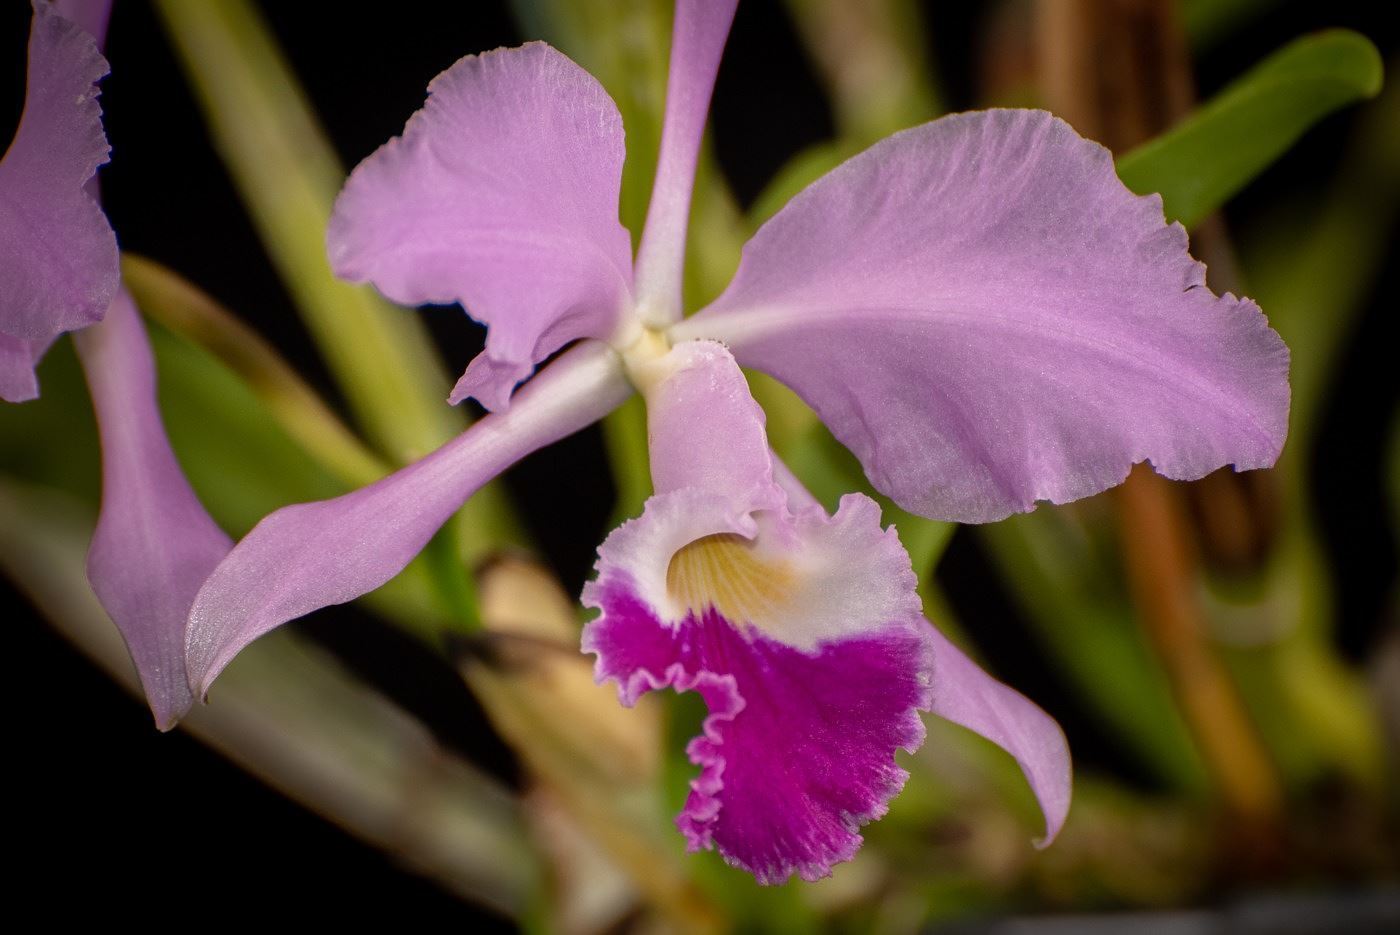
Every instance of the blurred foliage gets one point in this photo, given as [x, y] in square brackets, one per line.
[1227, 142]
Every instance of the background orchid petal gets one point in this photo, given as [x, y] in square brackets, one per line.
[91, 16]
[987, 317]
[704, 429]
[966, 695]
[311, 555]
[502, 194]
[58, 255]
[17, 361]
[697, 42]
[154, 544]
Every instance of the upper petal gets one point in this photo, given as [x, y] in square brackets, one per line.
[154, 544]
[502, 194]
[987, 317]
[58, 255]
[697, 42]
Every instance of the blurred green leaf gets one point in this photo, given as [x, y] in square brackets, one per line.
[288, 176]
[1313, 287]
[622, 43]
[1313, 707]
[1220, 148]
[290, 715]
[1075, 598]
[239, 461]
[799, 172]
[874, 60]
[718, 230]
[625, 435]
[52, 440]
[178, 305]
[1208, 22]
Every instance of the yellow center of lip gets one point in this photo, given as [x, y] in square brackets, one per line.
[724, 571]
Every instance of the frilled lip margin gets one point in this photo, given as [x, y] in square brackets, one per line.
[797, 751]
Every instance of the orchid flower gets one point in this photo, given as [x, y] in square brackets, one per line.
[154, 544]
[977, 307]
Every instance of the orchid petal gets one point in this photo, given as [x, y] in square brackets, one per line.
[311, 555]
[987, 317]
[58, 255]
[966, 695]
[798, 749]
[697, 42]
[813, 668]
[502, 194]
[154, 544]
[91, 16]
[17, 361]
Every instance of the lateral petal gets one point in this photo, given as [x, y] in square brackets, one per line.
[983, 313]
[501, 194]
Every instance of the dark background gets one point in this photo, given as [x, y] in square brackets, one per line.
[126, 819]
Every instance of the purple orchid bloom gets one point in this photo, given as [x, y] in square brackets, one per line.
[977, 307]
[154, 544]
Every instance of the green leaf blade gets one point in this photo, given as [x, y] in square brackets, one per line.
[1198, 165]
